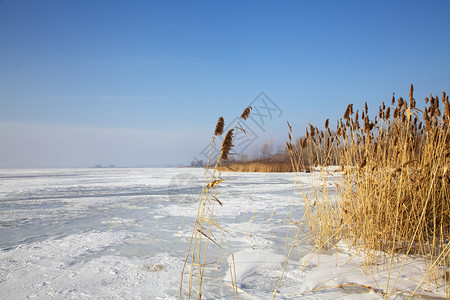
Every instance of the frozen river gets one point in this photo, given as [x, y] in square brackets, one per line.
[124, 234]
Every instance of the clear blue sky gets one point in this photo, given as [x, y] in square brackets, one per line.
[143, 82]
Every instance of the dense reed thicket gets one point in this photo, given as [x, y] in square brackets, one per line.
[394, 196]
[266, 165]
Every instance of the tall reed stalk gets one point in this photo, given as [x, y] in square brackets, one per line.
[206, 232]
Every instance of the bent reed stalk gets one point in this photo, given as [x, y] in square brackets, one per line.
[206, 233]
[393, 197]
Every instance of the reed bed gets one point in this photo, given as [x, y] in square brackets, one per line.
[258, 166]
[393, 198]
[390, 203]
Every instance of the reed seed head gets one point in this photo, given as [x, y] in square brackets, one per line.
[447, 108]
[396, 112]
[227, 145]
[348, 112]
[312, 130]
[289, 125]
[246, 113]
[412, 102]
[305, 143]
[400, 102]
[425, 115]
[289, 146]
[219, 127]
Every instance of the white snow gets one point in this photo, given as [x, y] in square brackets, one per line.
[124, 234]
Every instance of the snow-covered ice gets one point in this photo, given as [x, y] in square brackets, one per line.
[124, 234]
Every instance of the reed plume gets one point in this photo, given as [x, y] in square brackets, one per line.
[219, 127]
[446, 105]
[227, 145]
[289, 125]
[412, 101]
[246, 113]
[348, 112]
[400, 102]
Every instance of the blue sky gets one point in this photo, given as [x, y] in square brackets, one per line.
[136, 83]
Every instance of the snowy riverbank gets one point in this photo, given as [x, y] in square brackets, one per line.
[124, 233]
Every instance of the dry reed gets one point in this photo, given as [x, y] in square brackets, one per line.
[227, 144]
[394, 192]
[246, 113]
[257, 166]
[219, 126]
[206, 232]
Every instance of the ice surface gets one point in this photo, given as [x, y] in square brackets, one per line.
[124, 234]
